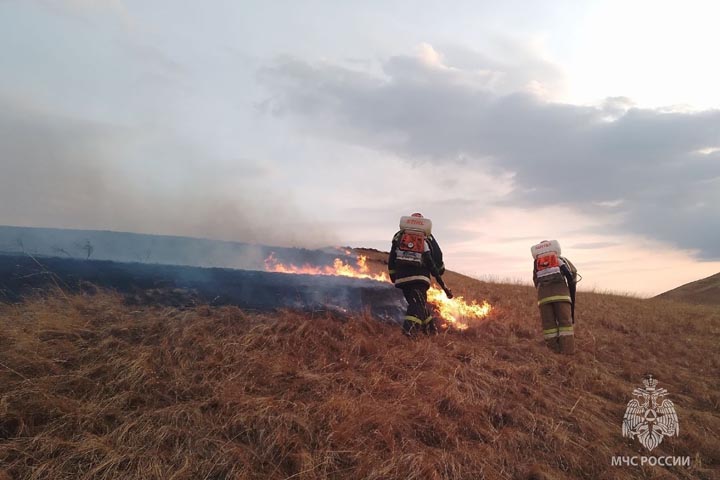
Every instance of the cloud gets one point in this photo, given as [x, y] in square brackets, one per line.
[593, 245]
[655, 169]
[82, 8]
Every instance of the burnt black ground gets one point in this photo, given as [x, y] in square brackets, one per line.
[23, 275]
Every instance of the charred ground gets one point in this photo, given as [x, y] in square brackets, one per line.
[93, 387]
[182, 285]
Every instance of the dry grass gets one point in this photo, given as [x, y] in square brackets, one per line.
[700, 292]
[95, 389]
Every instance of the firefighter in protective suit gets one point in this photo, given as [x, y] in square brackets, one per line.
[555, 278]
[414, 256]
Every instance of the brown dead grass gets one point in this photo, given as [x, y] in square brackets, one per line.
[95, 389]
[705, 291]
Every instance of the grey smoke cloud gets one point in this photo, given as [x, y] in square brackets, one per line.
[646, 166]
[63, 172]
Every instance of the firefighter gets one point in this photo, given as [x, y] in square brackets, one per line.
[555, 278]
[414, 256]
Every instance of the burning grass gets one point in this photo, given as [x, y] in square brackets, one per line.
[453, 313]
[94, 388]
[338, 268]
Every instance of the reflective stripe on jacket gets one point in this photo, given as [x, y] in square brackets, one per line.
[555, 289]
[402, 274]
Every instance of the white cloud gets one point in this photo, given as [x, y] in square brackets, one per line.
[430, 56]
[559, 154]
[610, 203]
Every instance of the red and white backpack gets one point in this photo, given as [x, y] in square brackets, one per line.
[547, 260]
[412, 240]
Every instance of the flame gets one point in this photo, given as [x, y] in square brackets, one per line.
[338, 268]
[455, 312]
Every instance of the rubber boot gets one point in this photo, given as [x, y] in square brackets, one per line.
[409, 329]
[567, 345]
[430, 328]
[553, 344]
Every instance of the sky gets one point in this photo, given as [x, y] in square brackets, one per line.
[320, 123]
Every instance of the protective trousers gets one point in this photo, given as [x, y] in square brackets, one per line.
[417, 316]
[557, 327]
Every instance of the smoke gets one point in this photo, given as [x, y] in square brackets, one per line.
[68, 173]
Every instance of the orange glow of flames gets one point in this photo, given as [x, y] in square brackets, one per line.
[456, 312]
[338, 268]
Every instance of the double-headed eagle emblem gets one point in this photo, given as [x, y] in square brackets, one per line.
[648, 419]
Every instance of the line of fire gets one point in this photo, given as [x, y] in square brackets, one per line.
[455, 313]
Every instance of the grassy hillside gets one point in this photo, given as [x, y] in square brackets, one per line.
[700, 292]
[93, 388]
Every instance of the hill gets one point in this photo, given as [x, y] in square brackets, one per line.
[94, 387]
[700, 292]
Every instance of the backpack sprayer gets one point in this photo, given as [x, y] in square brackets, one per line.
[548, 263]
[416, 229]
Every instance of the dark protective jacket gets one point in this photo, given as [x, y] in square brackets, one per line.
[403, 274]
[557, 288]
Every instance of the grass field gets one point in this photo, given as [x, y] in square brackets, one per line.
[93, 388]
[700, 292]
